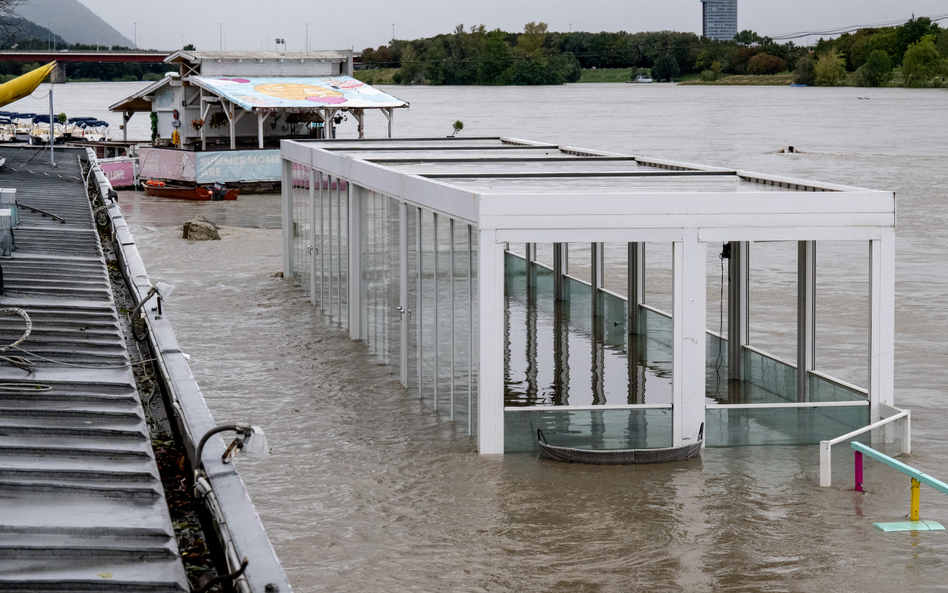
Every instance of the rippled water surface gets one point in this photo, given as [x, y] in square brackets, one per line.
[369, 489]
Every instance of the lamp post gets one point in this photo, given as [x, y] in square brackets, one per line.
[221, 35]
[135, 40]
[306, 43]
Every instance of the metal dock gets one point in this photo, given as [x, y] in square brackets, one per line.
[81, 503]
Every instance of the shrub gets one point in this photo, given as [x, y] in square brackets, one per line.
[766, 64]
[877, 71]
[666, 68]
[921, 63]
[805, 72]
[829, 69]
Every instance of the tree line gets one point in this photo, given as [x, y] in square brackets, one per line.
[540, 56]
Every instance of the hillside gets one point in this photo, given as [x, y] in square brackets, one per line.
[72, 21]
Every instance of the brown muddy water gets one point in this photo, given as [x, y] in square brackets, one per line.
[369, 489]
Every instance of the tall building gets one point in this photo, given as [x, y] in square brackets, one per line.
[719, 19]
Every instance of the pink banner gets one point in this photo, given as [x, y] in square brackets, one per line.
[119, 173]
[162, 163]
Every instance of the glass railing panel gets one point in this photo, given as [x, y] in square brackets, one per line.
[588, 429]
[781, 426]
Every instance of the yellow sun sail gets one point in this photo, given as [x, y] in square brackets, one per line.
[24, 85]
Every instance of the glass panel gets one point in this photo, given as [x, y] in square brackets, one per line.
[822, 390]
[782, 426]
[299, 193]
[413, 296]
[588, 429]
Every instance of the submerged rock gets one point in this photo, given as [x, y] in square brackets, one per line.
[200, 229]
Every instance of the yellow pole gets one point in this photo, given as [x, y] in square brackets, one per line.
[913, 515]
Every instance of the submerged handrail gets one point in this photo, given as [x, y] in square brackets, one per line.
[918, 478]
[826, 447]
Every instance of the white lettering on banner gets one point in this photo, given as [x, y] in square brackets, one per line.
[257, 165]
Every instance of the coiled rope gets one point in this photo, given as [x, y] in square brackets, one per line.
[18, 361]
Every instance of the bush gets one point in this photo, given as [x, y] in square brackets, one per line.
[829, 69]
[877, 71]
[152, 76]
[127, 78]
[805, 72]
[708, 76]
[766, 64]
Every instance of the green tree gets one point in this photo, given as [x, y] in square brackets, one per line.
[532, 40]
[877, 70]
[189, 47]
[805, 72]
[666, 68]
[830, 67]
[494, 65]
[911, 32]
[921, 62]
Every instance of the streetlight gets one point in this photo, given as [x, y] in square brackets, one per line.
[135, 40]
[221, 35]
[306, 44]
[393, 31]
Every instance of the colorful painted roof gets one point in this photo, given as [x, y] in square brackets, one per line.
[298, 93]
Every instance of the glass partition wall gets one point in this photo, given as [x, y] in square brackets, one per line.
[416, 289]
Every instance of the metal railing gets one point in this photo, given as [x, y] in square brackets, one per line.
[893, 415]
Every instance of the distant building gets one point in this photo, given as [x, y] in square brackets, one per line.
[719, 19]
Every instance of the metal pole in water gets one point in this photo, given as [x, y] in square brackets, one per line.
[858, 465]
[913, 515]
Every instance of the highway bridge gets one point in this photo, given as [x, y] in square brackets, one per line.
[69, 55]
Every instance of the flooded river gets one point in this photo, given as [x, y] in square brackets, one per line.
[371, 490]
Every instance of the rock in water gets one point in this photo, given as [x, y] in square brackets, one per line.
[200, 229]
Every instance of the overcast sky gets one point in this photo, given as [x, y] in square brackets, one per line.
[248, 24]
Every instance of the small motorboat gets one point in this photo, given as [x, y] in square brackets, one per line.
[619, 456]
[160, 189]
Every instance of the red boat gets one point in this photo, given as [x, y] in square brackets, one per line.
[160, 189]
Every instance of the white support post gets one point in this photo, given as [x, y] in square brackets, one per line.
[126, 115]
[688, 337]
[453, 319]
[636, 271]
[490, 289]
[403, 292]
[420, 307]
[332, 280]
[806, 316]
[597, 271]
[530, 256]
[232, 123]
[261, 118]
[322, 247]
[287, 191]
[560, 269]
[738, 308]
[354, 241]
[470, 330]
[437, 337]
[881, 322]
[313, 249]
[391, 119]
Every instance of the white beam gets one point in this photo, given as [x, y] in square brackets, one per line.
[355, 195]
[738, 308]
[636, 288]
[287, 191]
[881, 323]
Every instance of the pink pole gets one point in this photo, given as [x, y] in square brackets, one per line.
[858, 471]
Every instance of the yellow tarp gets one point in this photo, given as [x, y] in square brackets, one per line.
[24, 85]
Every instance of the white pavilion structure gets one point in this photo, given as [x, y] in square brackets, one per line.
[422, 248]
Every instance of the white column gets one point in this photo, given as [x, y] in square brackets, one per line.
[490, 290]
[313, 250]
[437, 313]
[354, 287]
[806, 316]
[261, 117]
[738, 308]
[688, 337]
[403, 292]
[287, 191]
[636, 288]
[530, 256]
[597, 271]
[560, 269]
[881, 322]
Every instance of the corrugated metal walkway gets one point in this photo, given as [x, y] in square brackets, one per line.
[81, 502]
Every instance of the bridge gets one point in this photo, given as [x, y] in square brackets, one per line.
[69, 55]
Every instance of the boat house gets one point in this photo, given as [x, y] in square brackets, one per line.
[456, 262]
